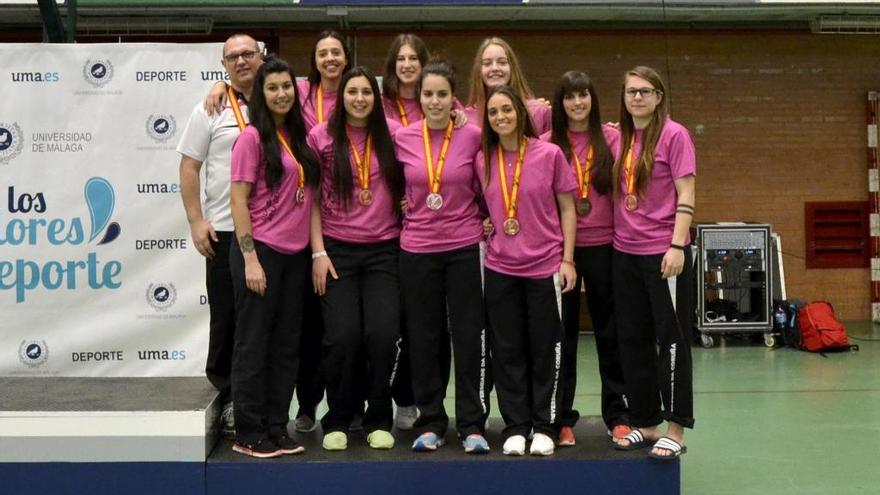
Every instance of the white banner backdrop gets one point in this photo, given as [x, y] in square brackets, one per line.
[98, 275]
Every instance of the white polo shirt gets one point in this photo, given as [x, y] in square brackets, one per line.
[209, 139]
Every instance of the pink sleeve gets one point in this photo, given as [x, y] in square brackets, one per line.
[682, 155]
[563, 175]
[247, 154]
[612, 137]
[393, 126]
[312, 142]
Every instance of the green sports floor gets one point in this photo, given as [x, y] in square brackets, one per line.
[771, 421]
[775, 421]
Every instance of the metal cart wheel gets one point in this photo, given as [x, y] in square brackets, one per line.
[769, 340]
[707, 341]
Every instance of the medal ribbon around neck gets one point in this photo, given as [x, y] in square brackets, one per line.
[363, 164]
[401, 109]
[434, 175]
[319, 103]
[628, 169]
[511, 198]
[299, 168]
[236, 110]
[584, 174]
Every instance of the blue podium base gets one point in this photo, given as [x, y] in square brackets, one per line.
[592, 466]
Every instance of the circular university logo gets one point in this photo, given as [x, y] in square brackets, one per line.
[33, 353]
[98, 72]
[161, 128]
[161, 296]
[11, 141]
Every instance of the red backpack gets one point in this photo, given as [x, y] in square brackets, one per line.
[820, 330]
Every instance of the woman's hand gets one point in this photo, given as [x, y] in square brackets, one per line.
[567, 276]
[255, 277]
[320, 266]
[673, 263]
[459, 118]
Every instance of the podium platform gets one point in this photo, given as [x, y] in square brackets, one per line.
[592, 466]
[132, 436]
[106, 435]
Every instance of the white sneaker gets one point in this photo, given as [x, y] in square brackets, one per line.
[406, 417]
[515, 445]
[541, 445]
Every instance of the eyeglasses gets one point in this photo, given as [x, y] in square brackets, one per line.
[643, 92]
[233, 57]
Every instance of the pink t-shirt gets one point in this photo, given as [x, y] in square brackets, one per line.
[277, 220]
[375, 222]
[308, 102]
[536, 251]
[542, 118]
[411, 106]
[648, 230]
[596, 228]
[458, 222]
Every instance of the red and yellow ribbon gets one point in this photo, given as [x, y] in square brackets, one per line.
[236, 110]
[299, 168]
[319, 103]
[434, 175]
[511, 197]
[363, 164]
[628, 168]
[584, 173]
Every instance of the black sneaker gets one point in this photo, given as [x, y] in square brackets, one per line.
[227, 421]
[288, 446]
[264, 449]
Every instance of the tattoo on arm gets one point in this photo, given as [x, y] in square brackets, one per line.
[246, 243]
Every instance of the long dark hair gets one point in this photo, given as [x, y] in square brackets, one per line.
[390, 82]
[645, 165]
[377, 127]
[490, 138]
[261, 118]
[575, 82]
[314, 74]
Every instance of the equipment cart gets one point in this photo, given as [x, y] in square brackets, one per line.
[735, 280]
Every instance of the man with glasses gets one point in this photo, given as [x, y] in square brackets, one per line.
[208, 140]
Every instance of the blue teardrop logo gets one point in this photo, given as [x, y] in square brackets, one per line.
[101, 200]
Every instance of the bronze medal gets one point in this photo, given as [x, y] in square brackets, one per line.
[511, 226]
[365, 197]
[631, 202]
[300, 195]
[583, 207]
[434, 201]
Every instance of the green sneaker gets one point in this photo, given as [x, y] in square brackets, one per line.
[380, 439]
[335, 440]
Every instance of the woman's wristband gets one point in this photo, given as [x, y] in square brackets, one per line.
[318, 254]
[676, 246]
[569, 262]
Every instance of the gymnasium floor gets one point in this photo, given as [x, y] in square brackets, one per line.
[772, 421]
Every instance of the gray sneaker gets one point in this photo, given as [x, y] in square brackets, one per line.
[227, 421]
[406, 417]
[305, 424]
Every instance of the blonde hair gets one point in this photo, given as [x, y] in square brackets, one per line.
[479, 92]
